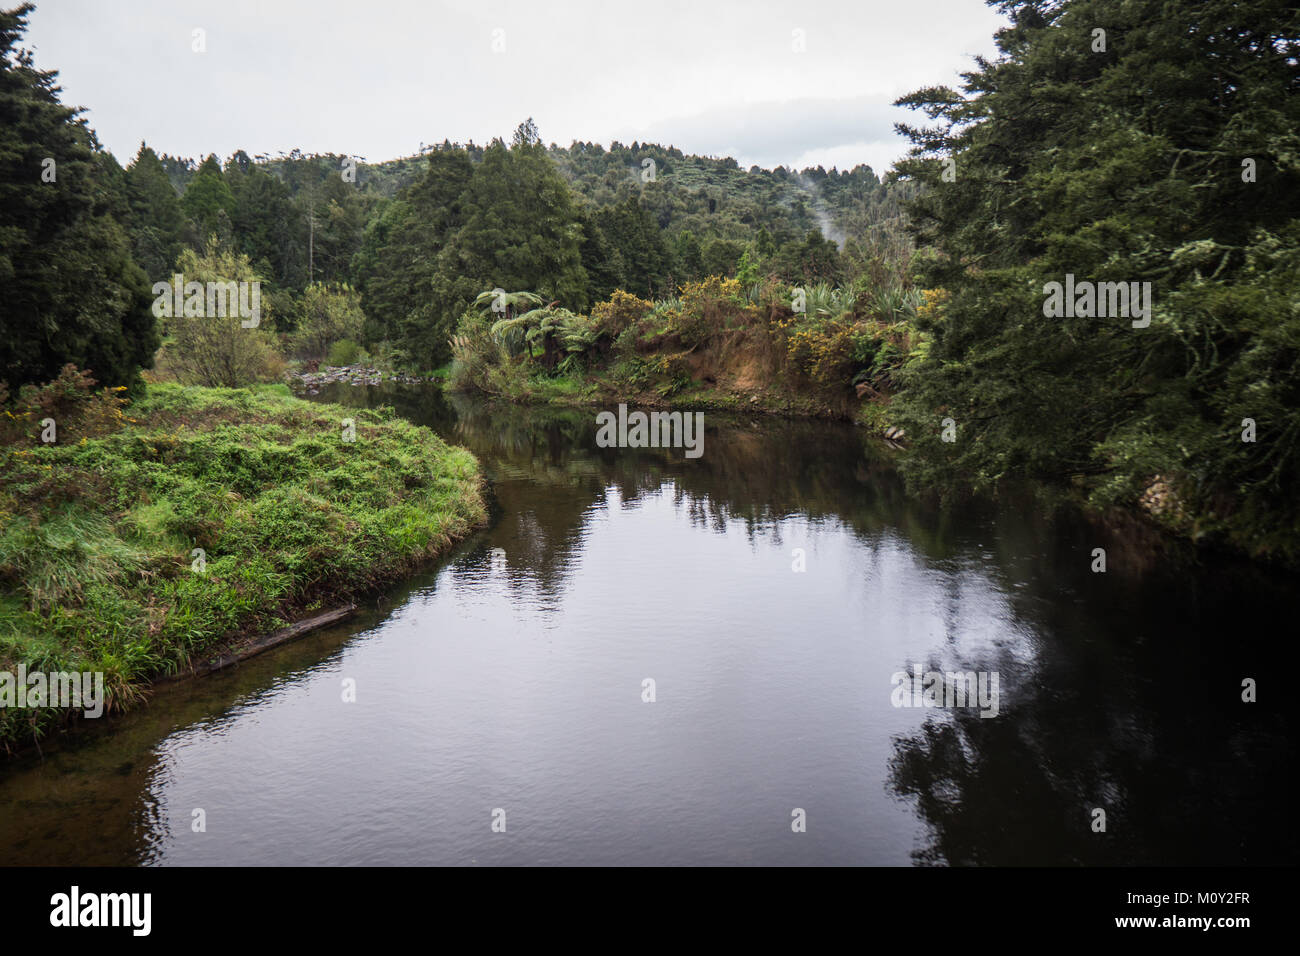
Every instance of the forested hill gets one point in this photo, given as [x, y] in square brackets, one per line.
[705, 194]
[700, 212]
[420, 237]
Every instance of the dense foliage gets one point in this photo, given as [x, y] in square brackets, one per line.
[1164, 152]
[72, 290]
[419, 237]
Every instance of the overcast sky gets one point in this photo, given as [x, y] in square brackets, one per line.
[377, 78]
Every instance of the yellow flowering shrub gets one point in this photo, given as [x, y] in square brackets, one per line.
[621, 311]
[932, 305]
[703, 308]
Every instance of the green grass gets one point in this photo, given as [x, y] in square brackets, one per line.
[97, 565]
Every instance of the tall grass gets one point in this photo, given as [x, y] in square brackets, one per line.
[98, 567]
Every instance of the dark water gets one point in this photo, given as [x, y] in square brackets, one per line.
[511, 677]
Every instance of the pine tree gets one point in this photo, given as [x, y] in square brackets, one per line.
[72, 290]
[522, 231]
[208, 201]
[634, 233]
[156, 220]
[399, 257]
[265, 224]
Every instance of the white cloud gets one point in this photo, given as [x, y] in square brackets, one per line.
[378, 79]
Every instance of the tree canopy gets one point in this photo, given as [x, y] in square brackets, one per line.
[1143, 142]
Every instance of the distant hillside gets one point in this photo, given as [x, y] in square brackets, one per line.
[707, 196]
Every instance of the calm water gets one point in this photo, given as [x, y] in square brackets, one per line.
[511, 677]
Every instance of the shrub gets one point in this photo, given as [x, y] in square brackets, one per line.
[70, 400]
[824, 351]
[219, 350]
[621, 311]
[474, 351]
[702, 308]
[344, 352]
[327, 315]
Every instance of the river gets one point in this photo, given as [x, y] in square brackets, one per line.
[503, 710]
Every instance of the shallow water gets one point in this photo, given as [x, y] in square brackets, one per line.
[510, 677]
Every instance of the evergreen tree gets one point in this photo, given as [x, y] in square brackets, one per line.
[603, 262]
[1161, 152]
[156, 219]
[265, 224]
[522, 230]
[689, 256]
[399, 256]
[634, 233]
[208, 201]
[72, 291]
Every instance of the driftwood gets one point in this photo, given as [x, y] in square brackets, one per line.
[266, 642]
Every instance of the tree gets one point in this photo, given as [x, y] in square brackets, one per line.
[1118, 165]
[156, 219]
[208, 201]
[215, 350]
[721, 256]
[689, 256]
[264, 223]
[398, 258]
[816, 259]
[632, 231]
[603, 263]
[521, 229]
[72, 289]
[327, 314]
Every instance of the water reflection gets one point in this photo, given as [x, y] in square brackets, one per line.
[512, 676]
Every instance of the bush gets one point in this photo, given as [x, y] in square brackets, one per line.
[327, 315]
[344, 352]
[219, 350]
[702, 309]
[474, 352]
[825, 351]
[78, 411]
[622, 311]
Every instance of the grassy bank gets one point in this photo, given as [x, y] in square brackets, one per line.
[98, 563]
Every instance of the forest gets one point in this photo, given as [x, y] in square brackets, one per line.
[1163, 151]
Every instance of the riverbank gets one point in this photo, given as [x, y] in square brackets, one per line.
[720, 349]
[717, 347]
[191, 520]
[587, 391]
